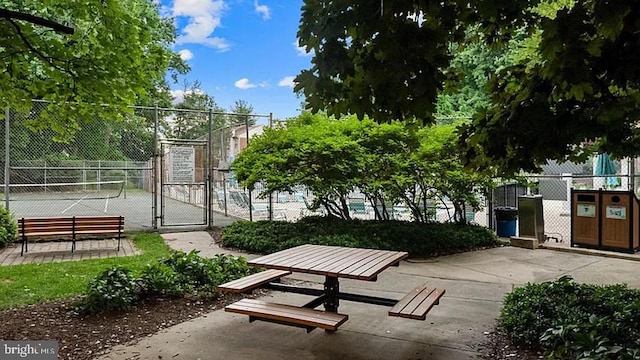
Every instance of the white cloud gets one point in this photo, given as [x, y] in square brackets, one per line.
[301, 50]
[287, 81]
[262, 10]
[178, 95]
[204, 16]
[185, 54]
[245, 84]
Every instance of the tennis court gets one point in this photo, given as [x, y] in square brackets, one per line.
[103, 198]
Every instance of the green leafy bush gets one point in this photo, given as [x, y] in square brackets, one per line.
[116, 288]
[429, 239]
[193, 272]
[180, 274]
[8, 227]
[575, 321]
[160, 279]
[231, 267]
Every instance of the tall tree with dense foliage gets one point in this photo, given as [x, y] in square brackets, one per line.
[118, 54]
[576, 83]
[386, 59]
[577, 86]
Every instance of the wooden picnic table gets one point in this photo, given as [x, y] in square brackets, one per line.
[332, 262]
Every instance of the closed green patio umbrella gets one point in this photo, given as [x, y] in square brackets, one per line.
[606, 166]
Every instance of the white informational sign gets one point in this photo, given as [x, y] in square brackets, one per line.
[182, 165]
[586, 210]
[616, 212]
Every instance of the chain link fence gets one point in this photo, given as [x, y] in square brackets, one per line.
[156, 166]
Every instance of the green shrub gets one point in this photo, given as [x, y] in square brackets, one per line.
[430, 239]
[231, 267]
[179, 274]
[194, 274]
[8, 227]
[160, 279]
[113, 289]
[570, 320]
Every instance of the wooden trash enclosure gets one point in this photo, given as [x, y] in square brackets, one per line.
[607, 220]
[585, 212]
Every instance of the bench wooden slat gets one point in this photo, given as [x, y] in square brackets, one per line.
[288, 314]
[417, 303]
[251, 282]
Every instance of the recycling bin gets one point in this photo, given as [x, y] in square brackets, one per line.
[607, 220]
[506, 217]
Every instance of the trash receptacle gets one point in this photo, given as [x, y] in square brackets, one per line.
[506, 221]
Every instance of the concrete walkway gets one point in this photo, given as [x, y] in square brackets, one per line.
[476, 283]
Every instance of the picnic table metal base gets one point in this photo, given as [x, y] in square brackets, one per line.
[330, 297]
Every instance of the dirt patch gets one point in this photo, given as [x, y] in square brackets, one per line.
[216, 234]
[499, 347]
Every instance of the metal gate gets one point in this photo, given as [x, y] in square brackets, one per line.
[184, 188]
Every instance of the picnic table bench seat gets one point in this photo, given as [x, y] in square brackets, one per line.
[254, 281]
[287, 314]
[417, 303]
[69, 226]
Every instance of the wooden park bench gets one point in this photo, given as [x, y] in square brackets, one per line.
[72, 226]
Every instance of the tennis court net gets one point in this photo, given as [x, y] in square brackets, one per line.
[65, 191]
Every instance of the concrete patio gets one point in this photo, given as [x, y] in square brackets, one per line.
[475, 282]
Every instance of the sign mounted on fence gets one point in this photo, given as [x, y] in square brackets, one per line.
[182, 165]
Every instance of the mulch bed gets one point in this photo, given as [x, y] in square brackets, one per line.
[498, 347]
[81, 338]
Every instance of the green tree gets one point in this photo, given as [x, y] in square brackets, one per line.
[574, 89]
[387, 59]
[473, 63]
[118, 52]
[389, 163]
[312, 151]
[194, 124]
[573, 82]
[242, 107]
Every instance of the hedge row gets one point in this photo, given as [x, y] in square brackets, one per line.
[569, 320]
[430, 239]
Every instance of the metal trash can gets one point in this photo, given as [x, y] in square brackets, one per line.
[506, 220]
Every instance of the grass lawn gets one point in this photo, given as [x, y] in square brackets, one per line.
[35, 283]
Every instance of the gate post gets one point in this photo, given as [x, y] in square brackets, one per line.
[209, 184]
[154, 171]
[270, 193]
[7, 148]
[246, 125]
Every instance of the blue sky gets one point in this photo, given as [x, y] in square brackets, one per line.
[241, 49]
